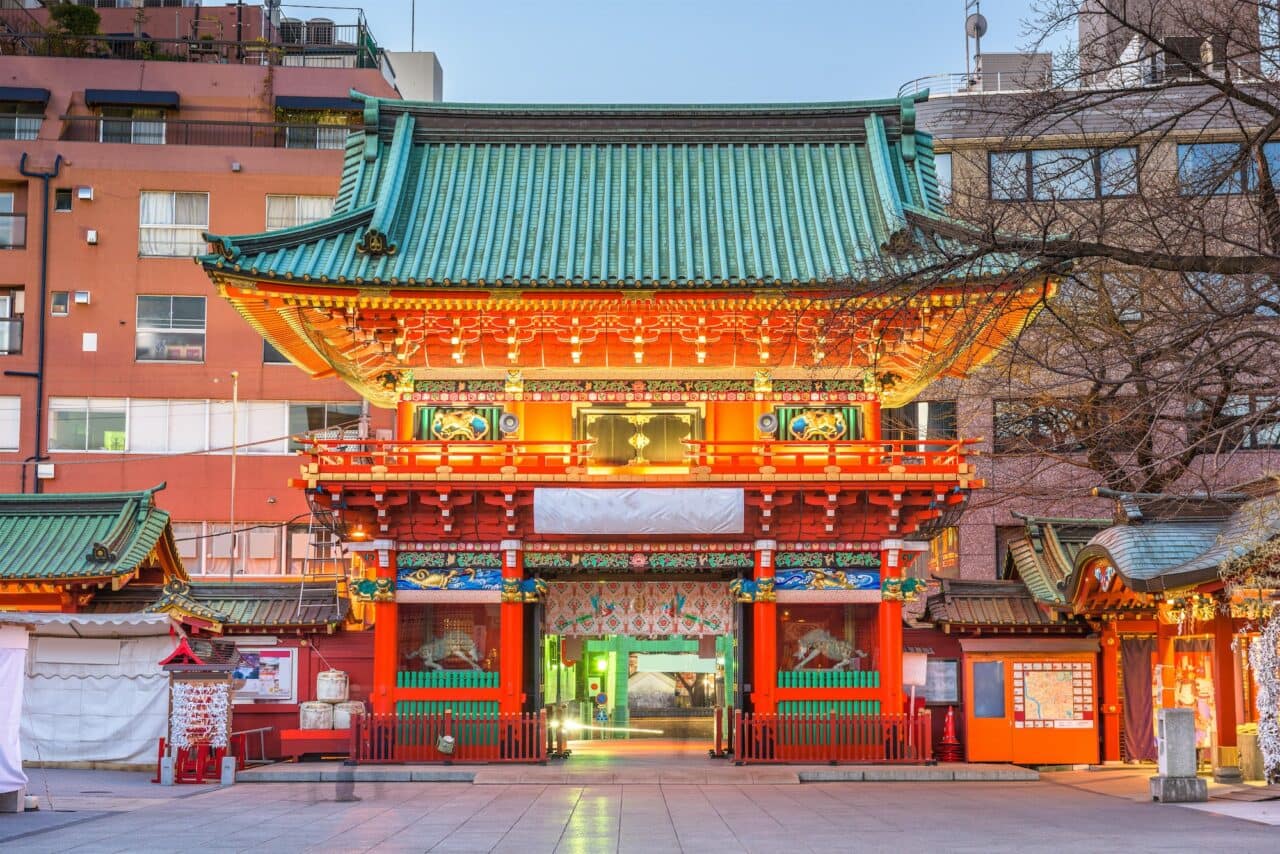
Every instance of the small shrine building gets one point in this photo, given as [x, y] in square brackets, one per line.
[638, 356]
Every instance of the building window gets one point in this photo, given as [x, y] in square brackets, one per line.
[60, 303]
[136, 125]
[87, 424]
[13, 225]
[942, 169]
[944, 554]
[924, 420]
[291, 211]
[20, 120]
[272, 356]
[1221, 168]
[261, 426]
[314, 552]
[170, 329]
[11, 311]
[1067, 174]
[188, 536]
[1257, 420]
[172, 224]
[329, 420]
[257, 549]
[1022, 428]
[10, 422]
[168, 426]
[323, 135]
[62, 199]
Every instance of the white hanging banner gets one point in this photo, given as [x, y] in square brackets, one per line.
[708, 511]
[13, 659]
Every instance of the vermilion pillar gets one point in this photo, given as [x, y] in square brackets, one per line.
[764, 652]
[386, 632]
[1109, 679]
[511, 659]
[1224, 690]
[890, 633]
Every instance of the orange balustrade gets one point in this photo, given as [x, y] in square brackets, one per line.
[705, 460]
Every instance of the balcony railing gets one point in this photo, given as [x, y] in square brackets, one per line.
[13, 231]
[350, 46]
[572, 460]
[10, 336]
[189, 132]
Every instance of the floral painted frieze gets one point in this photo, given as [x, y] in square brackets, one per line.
[448, 571]
[636, 561]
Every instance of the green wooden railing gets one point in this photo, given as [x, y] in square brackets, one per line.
[446, 679]
[828, 707]
[828, 679]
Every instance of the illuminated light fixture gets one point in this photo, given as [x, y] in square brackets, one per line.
[602, 664]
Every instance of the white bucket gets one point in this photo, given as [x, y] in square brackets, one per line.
[331, 686]
[343, 712]
[315, 716]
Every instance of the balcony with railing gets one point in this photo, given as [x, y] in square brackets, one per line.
[202, 132]
[13, 231]
[517, 460]
[344, 46]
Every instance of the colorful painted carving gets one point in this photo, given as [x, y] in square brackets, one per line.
[820, 642]
[753, 590]
[825, 579]
[374, 590]
[523, 589]
[827, 560]
[453, 645]
[637, 561]
[445, 559]
[819, 425]
[454, 425]
[468, 578]
[902, 589]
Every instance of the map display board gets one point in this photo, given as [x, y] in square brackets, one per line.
[1053, 694]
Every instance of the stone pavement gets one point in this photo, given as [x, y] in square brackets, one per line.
[1049, 816]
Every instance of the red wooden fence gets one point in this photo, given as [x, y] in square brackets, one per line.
[900, 739]
[388, 738]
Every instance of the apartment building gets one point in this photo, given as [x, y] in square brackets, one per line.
[1094, 159]
[118, 149]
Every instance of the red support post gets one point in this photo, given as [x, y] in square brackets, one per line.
[511, 659]
[386, 638]
[1110, 681]
[764, 677]
[890, 617]
[1224, 690]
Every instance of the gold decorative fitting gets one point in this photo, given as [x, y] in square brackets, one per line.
[374, 243]
[374, 590]
[523, 590]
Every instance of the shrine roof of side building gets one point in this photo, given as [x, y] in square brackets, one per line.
[621, 196]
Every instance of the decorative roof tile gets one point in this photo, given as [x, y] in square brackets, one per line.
[994, 604]
[70, 536]
[617, 196]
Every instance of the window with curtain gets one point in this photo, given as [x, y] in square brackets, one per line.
[290, 211]
[257, 548]
[170, 329]
[136, 125]
[87, 424]
[10, 422]
[920, 421]
[189, 538]
[13, 225]
[167, 426]
[261, 426]
[171, 224]
[12, 309]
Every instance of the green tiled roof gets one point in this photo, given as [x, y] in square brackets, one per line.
[616, 196]
[54, 537]
[234, 605]
[1044, 555]
[1167, 555]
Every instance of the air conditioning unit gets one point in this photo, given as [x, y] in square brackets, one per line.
[84, 194]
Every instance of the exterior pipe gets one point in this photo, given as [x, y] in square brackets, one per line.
[42, 310]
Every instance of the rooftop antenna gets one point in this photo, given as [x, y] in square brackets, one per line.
[975, 27]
